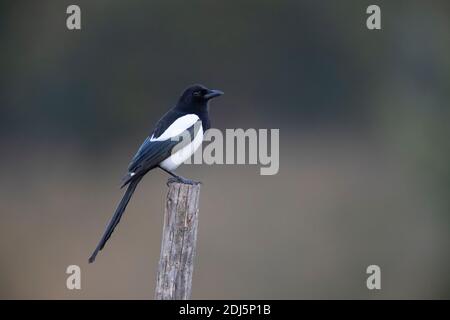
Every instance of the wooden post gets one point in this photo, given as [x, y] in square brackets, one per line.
[179, 240]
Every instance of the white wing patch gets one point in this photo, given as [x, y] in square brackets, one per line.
[177, 127]
[180, 156]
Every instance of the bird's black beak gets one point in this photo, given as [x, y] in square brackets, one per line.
[212, 94]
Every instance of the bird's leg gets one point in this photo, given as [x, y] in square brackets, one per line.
[177, 178]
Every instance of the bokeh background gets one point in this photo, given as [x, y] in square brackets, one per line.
[364, 155]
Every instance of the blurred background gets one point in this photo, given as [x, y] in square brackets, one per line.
[364, 155]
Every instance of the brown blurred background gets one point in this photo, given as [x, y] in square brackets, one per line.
[364, 166]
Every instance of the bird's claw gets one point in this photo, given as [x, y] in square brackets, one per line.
[182, 180]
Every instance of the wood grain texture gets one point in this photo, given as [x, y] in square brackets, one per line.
[176, 263]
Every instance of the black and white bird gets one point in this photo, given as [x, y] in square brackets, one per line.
[177, 135]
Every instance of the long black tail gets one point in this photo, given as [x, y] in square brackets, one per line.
[116, 217]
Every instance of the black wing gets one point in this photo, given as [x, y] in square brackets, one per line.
[152, 152]
[149, 155]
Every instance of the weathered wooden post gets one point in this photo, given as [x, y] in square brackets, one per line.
[179, 241]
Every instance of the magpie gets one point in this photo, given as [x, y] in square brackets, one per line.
[166, 147]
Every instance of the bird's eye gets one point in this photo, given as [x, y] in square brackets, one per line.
[197, 93]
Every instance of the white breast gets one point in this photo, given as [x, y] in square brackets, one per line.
[181, 155]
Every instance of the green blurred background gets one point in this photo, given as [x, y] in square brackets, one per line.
[364, 166]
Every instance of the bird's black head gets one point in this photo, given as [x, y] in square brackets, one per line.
[197, 96]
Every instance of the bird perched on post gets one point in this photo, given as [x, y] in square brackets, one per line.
[166, 148]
